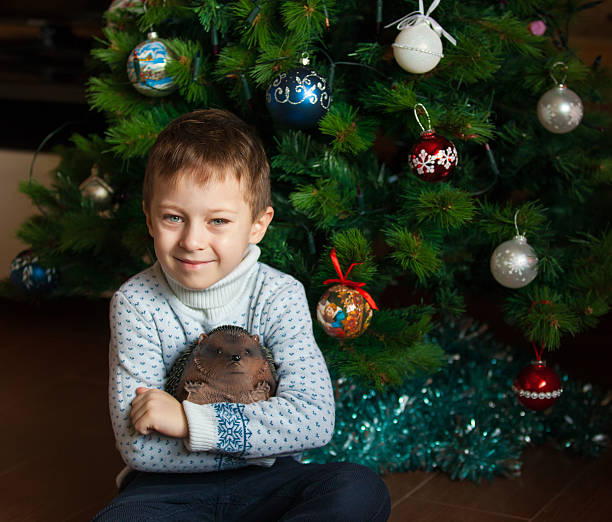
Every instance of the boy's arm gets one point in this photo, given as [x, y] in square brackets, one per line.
[136, 362]
[299, 417]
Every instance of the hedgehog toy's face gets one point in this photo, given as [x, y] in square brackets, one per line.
[228, 357]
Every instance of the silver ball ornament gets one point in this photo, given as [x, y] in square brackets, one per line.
[97, 191]
[514, 264]
[560, 110]
[417, 48]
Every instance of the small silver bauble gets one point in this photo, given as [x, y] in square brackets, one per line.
[97, 191]
[514, 263]
[418, 48]
[560, 110]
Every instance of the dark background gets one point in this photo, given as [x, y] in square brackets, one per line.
[44, 67]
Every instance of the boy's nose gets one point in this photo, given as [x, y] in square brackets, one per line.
[194, 238]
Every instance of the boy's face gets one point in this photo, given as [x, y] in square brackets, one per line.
[202, 231]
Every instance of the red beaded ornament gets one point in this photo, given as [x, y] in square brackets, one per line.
[432, 158]
[537, 387]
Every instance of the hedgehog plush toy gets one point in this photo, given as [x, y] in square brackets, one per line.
[225, 365]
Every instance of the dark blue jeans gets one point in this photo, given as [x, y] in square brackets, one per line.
[286, 491]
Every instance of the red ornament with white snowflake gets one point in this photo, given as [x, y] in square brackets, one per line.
[432, 158]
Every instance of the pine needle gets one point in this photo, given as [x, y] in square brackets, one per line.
[350, 133]
[412, 252]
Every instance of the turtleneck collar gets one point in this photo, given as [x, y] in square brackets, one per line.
[223, 291]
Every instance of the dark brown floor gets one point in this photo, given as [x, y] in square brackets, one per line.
[58, 458]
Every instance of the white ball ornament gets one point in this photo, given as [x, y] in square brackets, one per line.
[417, 48]
[560, 109]
[514, 264]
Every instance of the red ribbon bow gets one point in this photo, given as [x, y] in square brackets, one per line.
[353, 284]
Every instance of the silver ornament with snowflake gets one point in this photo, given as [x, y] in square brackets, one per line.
[560, 110]
[514, 263]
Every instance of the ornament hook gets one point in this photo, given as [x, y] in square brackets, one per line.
[305, 60]
[515, 222]
[421, 108]
[563, 72]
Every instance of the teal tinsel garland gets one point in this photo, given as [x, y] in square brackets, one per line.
[464, 420]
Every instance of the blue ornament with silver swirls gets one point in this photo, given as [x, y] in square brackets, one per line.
[29, 276]
[298, 98]
[146, 67]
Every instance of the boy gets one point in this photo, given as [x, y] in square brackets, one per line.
[206, 198]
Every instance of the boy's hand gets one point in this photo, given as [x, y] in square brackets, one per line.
[156, 410]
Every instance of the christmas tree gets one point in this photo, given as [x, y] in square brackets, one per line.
[439, 152]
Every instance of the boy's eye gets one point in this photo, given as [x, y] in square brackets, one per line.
[219, 221]
[173, 218]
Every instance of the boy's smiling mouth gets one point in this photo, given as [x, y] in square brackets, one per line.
[189, 263]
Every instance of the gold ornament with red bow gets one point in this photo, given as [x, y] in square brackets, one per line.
[345, 309]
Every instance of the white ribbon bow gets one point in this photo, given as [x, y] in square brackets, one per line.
[418, 16]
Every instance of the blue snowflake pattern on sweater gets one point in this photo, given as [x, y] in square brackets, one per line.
[232, 429]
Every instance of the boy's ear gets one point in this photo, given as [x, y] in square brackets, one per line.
[147, 218]
[260, 225]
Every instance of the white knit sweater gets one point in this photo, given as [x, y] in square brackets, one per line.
[153, 320]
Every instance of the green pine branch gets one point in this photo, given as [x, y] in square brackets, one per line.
[117, 98]
[368, 53]
[351, 134]
[212, 13]
[472, 60]
[538, 79]
[40, 195]
[511, 33]
[190, 70]
[233, 65]
[274, 58]
[324, 202]
[133, 137]
[498, 223]
[116, 48]
[450, 302]
[397, 98]
[85, 232]
[306, 19]
[352, 247]
[412, 252]
[298, 157]
[39, 232]
[543, 315]
[440, 206]
[255, 21]
[592, 266]
[159, 12]
[390, 351]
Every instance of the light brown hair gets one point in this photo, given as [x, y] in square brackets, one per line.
[208, 145]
